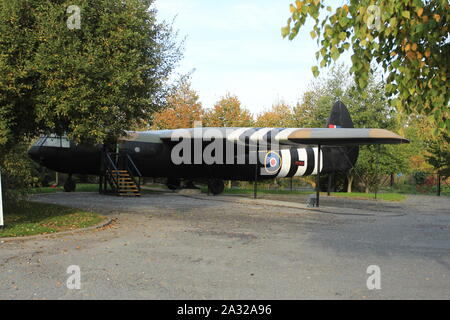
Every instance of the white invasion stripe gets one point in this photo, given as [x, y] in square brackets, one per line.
[258, 135]
[236, 134]
[285, 163]
[273, 133]
[316, 161]
[302, 157]
[283, 135]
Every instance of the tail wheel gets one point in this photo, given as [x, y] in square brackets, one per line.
[216, 186]
[173, 183]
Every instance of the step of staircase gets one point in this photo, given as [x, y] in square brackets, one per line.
[119, 181]
[127, 187]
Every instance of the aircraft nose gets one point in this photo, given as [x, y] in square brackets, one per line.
[34, 153]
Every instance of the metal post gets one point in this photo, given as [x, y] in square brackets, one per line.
[102, 175]
[318, 176]
[439, 185]
[1, 203]
[329, 183]
[255, 182]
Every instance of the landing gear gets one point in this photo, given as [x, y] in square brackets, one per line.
[173, 184]
[216, 186]
[70, 185]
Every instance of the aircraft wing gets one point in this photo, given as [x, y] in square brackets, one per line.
[340, 137]
[282, 136]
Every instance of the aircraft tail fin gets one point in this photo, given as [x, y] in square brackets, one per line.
[340, 118]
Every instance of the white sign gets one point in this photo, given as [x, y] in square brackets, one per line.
[1, 203]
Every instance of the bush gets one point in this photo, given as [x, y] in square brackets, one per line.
[420, 177]
[18, 172]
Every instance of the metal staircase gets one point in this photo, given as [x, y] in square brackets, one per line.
[119, 175]
[127, 186]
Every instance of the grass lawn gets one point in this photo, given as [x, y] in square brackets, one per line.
[410, 189]
[260, 191]
[28, 218]
[370, 196]
[354, 195]
[386, 196]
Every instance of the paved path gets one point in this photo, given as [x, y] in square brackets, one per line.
[168, 246]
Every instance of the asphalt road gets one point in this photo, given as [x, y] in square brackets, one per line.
[169, 246]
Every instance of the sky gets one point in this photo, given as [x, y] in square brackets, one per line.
[236, 46]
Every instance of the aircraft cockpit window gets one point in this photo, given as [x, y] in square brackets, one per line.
[55, 141]
[40, 141]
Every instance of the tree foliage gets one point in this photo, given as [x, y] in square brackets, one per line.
[182, 110]
[91, 83]
[228, 112]
[280, 115]
[18, 172]
[314, 107]
[371, 110]
[439, 154]
[409, 39]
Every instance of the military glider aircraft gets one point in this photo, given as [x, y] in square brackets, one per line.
[213, 154]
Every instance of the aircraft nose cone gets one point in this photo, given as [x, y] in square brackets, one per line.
[33, 153]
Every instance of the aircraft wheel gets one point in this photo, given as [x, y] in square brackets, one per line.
[173, 183]
[70, 185]
[216, 186]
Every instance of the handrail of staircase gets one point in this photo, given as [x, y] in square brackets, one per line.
[111, 162]
[129, 161]
[110, 175]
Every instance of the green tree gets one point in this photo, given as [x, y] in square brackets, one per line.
[371, 110]
[409, 39]
[314, 108]
[439, 154]
[91, 83]
[18, 172]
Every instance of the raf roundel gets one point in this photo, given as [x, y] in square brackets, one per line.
[272, 162]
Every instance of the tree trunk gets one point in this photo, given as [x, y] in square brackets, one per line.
[349, 182]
